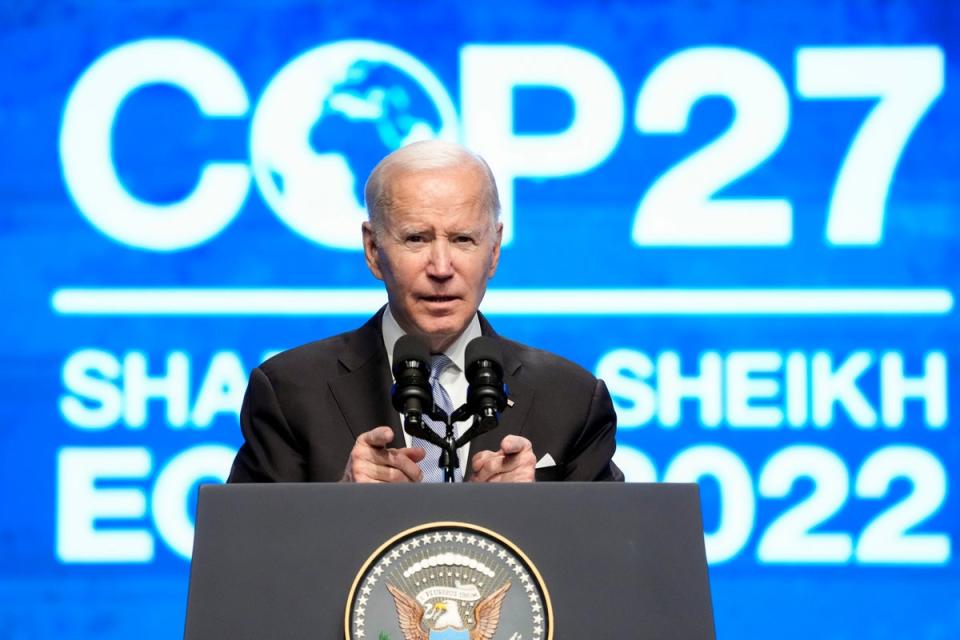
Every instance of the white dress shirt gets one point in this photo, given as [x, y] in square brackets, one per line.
[453, 378]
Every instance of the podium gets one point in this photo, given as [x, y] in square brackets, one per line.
[578, 561]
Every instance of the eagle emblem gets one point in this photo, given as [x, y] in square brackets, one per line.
[448, 581]
[417, 622]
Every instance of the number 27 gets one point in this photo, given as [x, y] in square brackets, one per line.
[679, 208]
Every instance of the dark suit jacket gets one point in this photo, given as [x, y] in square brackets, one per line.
[304, 409]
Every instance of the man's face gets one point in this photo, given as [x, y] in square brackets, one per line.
[436, 251]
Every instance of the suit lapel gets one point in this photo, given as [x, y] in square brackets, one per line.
[363, 392]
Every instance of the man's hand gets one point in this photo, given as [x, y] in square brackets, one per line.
[514, 462]
[371, 460]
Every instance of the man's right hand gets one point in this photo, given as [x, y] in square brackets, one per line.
[371, 460]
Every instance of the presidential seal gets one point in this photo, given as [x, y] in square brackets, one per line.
[448, 581]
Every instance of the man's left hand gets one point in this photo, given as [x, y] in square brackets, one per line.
[514, 462]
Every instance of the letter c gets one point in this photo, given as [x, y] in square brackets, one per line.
[86, 148]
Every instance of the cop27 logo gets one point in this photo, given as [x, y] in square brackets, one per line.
[320, 105]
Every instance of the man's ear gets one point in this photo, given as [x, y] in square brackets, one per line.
[371, 251]
[495, 259]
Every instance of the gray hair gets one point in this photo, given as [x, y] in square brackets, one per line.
[423, 156]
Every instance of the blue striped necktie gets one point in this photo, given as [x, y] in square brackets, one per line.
[430, 463]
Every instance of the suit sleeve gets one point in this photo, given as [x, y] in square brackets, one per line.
[270, 451]
[592, 454]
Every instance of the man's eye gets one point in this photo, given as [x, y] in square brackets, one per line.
[463, 240]
[415, 238]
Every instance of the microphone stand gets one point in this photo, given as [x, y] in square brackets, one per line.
[448, 444]
[449, 461]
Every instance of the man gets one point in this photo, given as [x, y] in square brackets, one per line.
[322, 411]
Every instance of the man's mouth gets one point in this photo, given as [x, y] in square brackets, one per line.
[438, 299]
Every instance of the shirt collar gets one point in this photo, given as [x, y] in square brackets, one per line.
[456, 352]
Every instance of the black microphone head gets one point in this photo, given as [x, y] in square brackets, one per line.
[409, 348]
[483, 348]
[486, 393]
[411, 392]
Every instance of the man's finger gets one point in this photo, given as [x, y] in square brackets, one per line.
[515, 462]
[371, 460]
[377, 438]
[405, 460]
[494, 467]
[414, 453]
[480, 459]
[514, 444]
[486, 464]
[385, 473]
[519, 467]
[387, 465]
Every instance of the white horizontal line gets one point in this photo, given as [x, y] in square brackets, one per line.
[508, 302]
[218, 302]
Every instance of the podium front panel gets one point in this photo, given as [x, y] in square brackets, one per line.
[618, 560]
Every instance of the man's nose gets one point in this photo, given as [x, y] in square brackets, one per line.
[441, 259]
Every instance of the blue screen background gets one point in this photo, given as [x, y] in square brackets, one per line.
[571, 231]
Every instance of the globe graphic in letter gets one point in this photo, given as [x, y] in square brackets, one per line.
[324, 122]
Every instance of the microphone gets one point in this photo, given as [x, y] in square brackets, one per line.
[411, 393]
[487, 394]
[412, 396]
